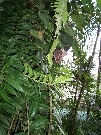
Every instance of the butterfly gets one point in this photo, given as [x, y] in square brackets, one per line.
[58, 55]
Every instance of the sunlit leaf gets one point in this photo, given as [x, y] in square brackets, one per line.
[61, 14]
[65, 70]
[26, 68]
[45, 79]
[33, 109]
[84, 2]
[50, 78]
[99, 3]
[62, 79]
[30, 70]
[39, 123]
[50, 55]
[44, 107]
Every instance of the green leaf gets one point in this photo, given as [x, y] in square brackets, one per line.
[33, 108]
[4, 95]
[30, 70]
[65, 70]
[6, 7]
[66, 39]
[27, 18]
[8, 108]
[14, 83]
[26, 68]
[45, 68]
[9, 62]
[84, 2]
[99, 3]
[50, 55]
[44, 107]
[15, 104]
[24, 25]
[50, 78]
[44, 18]
[2, 130]
[45, 79]
[39, 123]
[35, 34]
[4, 120]
[75, 49]
[61, 14]
[18, 76]
[62, 79]
[8, 88]
[76, 18]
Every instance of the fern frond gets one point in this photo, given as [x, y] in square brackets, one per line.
[50, 55]
[61, 14]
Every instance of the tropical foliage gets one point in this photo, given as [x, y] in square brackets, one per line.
[33, 100]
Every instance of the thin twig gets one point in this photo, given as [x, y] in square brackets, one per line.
[93, 53]
[50, 124]
[99, 68]
[12, 126]
[27, 111]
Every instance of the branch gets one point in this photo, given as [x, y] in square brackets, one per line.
[93, 53]
[76, 108]
[12, 126]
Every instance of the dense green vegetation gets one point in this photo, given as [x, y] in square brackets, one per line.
[32, 76]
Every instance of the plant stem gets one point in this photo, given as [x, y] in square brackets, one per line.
[27, 111]
[49, 131]
[76, 108]
[12, 126]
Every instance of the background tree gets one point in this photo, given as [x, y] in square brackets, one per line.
[32, 78]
